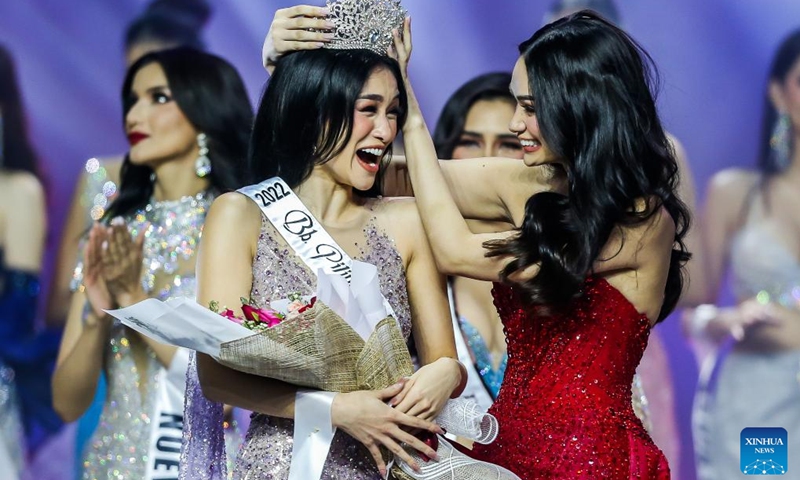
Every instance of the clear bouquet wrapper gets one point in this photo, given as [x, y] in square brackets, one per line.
[348, 340]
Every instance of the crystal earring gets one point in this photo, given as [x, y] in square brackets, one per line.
[780, 142]
[152, 177]
[202, 166]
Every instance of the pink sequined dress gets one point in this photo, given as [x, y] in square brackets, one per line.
[565, 405]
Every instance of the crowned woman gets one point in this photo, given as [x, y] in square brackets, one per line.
[325, 126]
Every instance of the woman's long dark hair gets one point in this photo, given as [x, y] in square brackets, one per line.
[16, 151]
[489, 86]
[306, 114]
[590, 84]
[211, 95]
[785, 58]
[170, 22]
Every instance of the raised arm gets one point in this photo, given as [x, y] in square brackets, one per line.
[80, 356]
[456, 249]
[490, 189]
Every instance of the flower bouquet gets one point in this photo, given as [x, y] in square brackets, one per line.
[342, 340]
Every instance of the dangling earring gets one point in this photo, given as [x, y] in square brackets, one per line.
[780, 142]
[202, 166]
[152, 177]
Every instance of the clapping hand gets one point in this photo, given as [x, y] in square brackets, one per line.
[94, 285]
[121, 259]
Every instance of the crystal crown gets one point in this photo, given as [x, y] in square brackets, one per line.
[365, 24]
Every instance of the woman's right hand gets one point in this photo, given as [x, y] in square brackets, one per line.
[365, 416]
[302, 27]
[95, 287]
[737, 321]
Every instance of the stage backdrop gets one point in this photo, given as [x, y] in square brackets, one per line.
[712, 55]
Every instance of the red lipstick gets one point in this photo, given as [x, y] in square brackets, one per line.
[136, 137]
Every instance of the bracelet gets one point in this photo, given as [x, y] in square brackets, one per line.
[703, 314]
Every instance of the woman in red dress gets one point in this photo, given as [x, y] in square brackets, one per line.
[595, 260]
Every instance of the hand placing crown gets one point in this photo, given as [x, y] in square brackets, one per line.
[366, 24]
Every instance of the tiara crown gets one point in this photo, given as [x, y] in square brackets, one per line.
[366, 24]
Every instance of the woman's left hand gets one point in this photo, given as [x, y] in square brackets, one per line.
[122, 264]
[426, 392]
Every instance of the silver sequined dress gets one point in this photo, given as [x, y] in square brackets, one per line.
[118, 448]
[266, 454]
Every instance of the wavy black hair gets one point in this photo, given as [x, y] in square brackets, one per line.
[786, 57]
[591, 85]
[489, 86]
[211, 95]
[16, 151]
[176, 23]
[306, 113]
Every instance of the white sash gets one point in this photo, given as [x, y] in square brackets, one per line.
[313, 433]
[304, 233]
[166, 428]
[299, 228]
[475, 389]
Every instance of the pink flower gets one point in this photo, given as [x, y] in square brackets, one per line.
[228, 313]
[261, 315]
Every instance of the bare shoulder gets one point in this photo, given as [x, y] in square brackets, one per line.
[658, 231]
[21, 188]
[732, 182]
[235, 209]
[728, 191]
[400, 218]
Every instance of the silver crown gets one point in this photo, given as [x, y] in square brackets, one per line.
[365, 24]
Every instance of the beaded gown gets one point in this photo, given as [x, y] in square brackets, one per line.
[118, 448]
[565, 406]
[277, 272]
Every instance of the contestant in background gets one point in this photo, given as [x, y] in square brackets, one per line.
[751, 228]
[187, 117]
[163, 24]
[24, 393]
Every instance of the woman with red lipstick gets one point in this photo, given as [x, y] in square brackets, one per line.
[592, 265]
[187, 116]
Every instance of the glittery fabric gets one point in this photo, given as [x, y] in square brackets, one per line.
[277, 272]
[119, 446]
[565, 407]
[484, 361]
[11, 437]
[751, 389]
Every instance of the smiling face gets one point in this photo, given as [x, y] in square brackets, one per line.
[524, 123]
[374, 128]
[157, 129]
[486, 132]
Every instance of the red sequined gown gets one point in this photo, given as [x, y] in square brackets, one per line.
[565, 405]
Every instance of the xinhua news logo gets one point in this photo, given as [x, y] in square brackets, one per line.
[764, 451]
